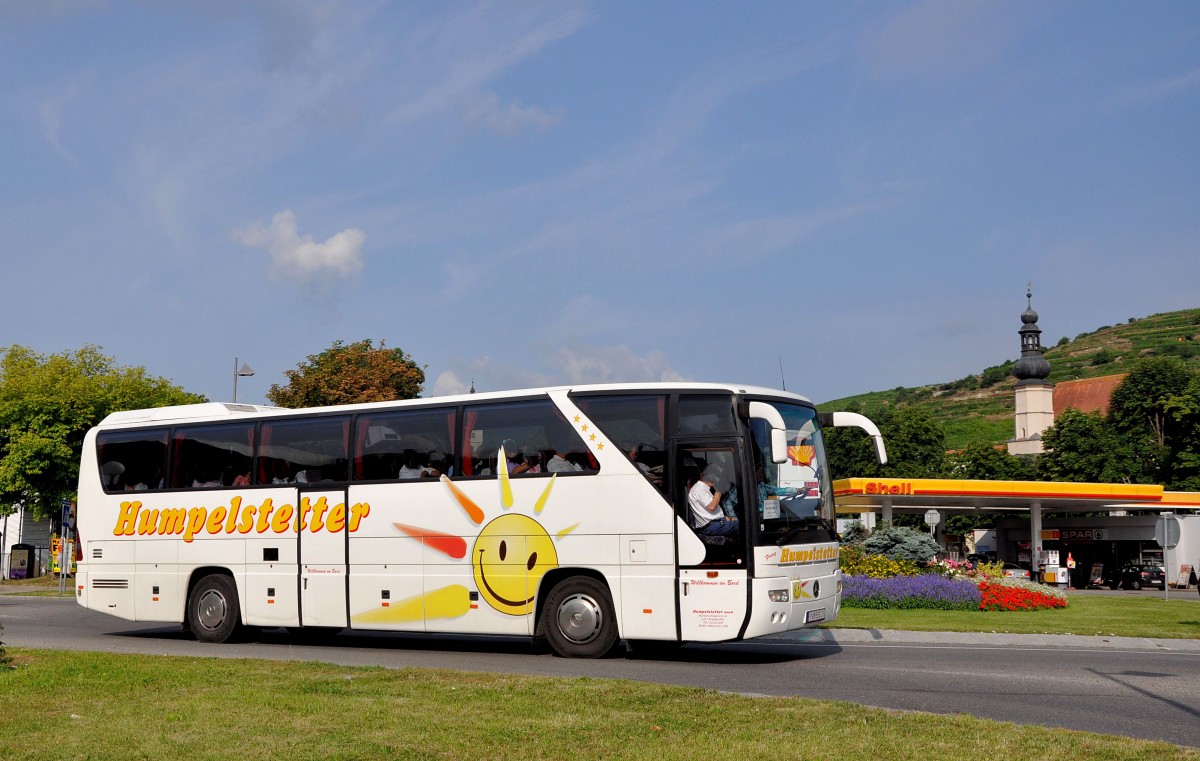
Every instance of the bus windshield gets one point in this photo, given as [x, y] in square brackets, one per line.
[795, 497]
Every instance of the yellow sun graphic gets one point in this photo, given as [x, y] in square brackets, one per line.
[508, 560]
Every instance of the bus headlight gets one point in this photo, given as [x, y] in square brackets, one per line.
[777, 595]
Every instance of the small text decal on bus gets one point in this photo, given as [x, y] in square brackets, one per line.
[238, 518]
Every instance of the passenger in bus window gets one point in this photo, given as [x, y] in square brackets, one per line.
[206, 478]
[534, 461]
[280, 472]
[642, 467]
[559, 462]
[705, 503]
[515, 456]
[155, 481]
[413, 467]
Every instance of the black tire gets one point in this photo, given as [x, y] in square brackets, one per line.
[213, 611]
[1135, 585]
[578, 620]
[1114, 584]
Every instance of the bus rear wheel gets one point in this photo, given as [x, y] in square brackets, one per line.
[579, 620]
[213, 608]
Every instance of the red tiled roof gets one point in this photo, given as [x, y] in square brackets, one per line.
[1086, 394]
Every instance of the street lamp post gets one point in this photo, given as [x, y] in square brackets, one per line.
[244, 372]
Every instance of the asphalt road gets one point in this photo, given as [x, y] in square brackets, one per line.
[1133, 687]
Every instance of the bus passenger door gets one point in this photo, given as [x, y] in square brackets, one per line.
[324, 514]
[714, 589]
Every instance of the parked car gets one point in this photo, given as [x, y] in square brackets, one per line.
[1136, 576]
[1014, 571]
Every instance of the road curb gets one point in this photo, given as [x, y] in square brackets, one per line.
[988, 639]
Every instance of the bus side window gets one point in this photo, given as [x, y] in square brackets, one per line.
[132, 460]
[406, 445]
[537, 440]
[310, 450]
[636, 424]
[213, 456]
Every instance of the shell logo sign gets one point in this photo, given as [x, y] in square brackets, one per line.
[800, 454]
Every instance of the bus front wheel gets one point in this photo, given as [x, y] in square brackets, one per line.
[578, 620]
[213, 608]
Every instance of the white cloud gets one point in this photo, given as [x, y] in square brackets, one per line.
[941, 39]
[448, 384]
[509, 119]
[50, 112]
[583, 363]
[300, 257]
[570, 364]
[1170, 87]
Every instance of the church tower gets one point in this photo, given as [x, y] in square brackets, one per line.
[1035, 395]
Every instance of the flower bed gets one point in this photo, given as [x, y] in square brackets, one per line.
[926, 591]
[934, 592]
[1018, 594]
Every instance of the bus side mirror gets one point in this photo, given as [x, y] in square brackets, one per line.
[779, 448]
[855, 420]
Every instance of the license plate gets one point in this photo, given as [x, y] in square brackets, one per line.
[814, 615]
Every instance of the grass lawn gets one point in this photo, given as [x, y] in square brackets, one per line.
[106, 706]
[1176, 618]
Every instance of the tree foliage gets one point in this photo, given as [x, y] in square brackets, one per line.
[47, 405]
[983, 461]
[1151, 433]
[350, 373]
[1080, 447]
[916, 446]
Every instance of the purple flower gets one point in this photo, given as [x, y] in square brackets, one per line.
[924, 591]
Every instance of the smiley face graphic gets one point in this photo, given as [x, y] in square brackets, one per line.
[509, 559]
[510, 556]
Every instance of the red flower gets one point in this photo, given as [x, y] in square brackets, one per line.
[996, 596]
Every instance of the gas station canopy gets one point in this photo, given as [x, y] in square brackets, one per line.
[911, 495]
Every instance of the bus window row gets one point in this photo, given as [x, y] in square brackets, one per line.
[401, 444]
[387, 445]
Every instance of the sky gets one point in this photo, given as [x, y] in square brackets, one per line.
[835, 197]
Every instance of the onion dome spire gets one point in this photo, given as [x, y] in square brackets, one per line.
[1032, 367]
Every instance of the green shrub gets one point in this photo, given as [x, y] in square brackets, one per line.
[855, 532]
[902, 543]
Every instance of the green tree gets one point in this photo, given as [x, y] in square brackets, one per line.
[47, 405]
[986, 462]
[1080, 446]
[350, 373]
[1140, 413]
[1184, 410]
[915, 441]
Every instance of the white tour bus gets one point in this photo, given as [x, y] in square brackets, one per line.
[557, 513]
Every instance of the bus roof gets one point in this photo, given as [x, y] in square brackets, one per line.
[226, 410]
